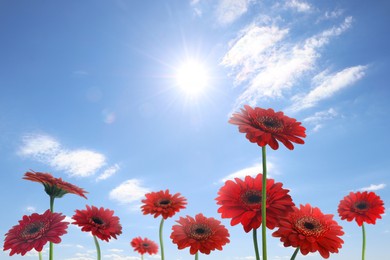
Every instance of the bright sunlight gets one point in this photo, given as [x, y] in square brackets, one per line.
[192, 78]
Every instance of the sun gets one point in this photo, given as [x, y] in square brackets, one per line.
[192, 78]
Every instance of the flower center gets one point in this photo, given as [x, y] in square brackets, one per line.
[33, 230]
[145, 245]
[200, 232]
[164, 202]
[271, 124]
[309, 226]
[97, 220]
[251, 198]
[362, 205]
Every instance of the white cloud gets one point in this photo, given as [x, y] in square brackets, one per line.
[273, 69]
[319, 117]
[374, 187]
[128, 192]
[116, 250]
[299, 6]
[108, 172]
[48, 150]
[248, 51]
[31, 209]
[230, 10]
[250, 171]
[120, 257]
[81, 163]
[328, 86]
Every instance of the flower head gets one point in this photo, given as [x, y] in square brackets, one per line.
[268, 127]
[310, 230]
[144, 245]
[34, 231]
[163, 203]
[361, 206]
[99, 221]
[240, 200]
[55, 187]
[200, 234]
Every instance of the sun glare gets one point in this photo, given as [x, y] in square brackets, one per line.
[192, 78]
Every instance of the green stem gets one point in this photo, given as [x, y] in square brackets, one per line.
[40, 255]
[51, 246]
[161, 238]
[196, 256]
[264, 204]
[97, 248]
[255, 244]
[295, 254]
[142, 257]
[364, 242]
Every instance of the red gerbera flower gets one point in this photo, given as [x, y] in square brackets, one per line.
[144, 245]
[200, 234]
[361, 206]
[267, 127]
[310, 230]
[100, 222]
[34, 231]
[54, 187]
[163, 203]
[241, 201]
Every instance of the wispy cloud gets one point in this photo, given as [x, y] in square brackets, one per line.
[108, 172]
[30, 209]
[128, 192]
[299, 6]
[328, 85]
[249, 171]
[230, 10]
[374, 187]
[318, 118]
[48, 150]
[273, 67]
[121, 257]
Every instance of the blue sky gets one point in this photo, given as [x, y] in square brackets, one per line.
[90, 93]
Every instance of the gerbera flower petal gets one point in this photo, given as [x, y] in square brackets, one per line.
[240, 200]
[99, 221]
[267, 127]
[55, 187]
[310, 230]
[144, 245]
[163, 203]
[199, 234]
[34, 231]
[362, 207]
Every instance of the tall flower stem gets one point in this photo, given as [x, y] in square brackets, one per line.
[255, 244]
[295, 254]
[97, 248]
[40, 255]
[142, 257]
[161, 238]
[196, 256]
[264, 204]
[364, 242]
[51, 247]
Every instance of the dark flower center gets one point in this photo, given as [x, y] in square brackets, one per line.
[164, 202]
[145, 245]
[271, 124]
[309, 226]
[200, 232]
[362, 205]
[33, 230]
[98, 220]
[251, 198]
